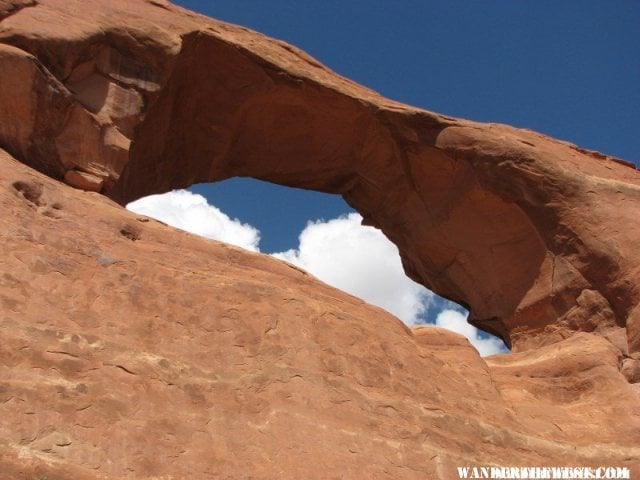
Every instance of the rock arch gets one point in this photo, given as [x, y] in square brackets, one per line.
[531, 234]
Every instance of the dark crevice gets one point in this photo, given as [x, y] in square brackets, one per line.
[124, 369]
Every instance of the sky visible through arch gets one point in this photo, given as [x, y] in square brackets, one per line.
[568, 69]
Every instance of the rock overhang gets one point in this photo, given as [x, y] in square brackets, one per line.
[111, 320]
[498, 219]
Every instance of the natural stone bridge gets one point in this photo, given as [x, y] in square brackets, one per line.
[526, 232]
[537, 237]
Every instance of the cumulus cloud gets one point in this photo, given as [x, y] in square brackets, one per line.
[341, 252]
[191, 212]
[362, 261]
[457, 322]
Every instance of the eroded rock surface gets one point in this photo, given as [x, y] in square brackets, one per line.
[537, 237]
[131, 350]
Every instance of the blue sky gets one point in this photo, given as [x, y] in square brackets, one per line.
[569, 69]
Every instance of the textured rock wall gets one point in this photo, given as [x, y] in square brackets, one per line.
[133, 350]
[130, 350]
[520, 228]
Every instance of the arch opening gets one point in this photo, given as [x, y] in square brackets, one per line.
[319, 233]
[410, 173]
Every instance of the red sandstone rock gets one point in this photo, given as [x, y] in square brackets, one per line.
[133, 350]
[130, 350]
[83, 180]
[460, 199]
[9, 7]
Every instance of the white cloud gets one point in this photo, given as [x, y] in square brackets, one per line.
[457, 322]
[341, 252]
[362, 261]
[191, 212]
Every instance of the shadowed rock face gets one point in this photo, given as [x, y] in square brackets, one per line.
[539, 238]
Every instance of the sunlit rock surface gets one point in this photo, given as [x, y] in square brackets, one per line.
[131, 350]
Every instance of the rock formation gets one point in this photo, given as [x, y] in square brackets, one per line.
[131, 350]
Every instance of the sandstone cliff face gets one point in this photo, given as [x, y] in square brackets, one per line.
[228, 375]
[133, 350]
